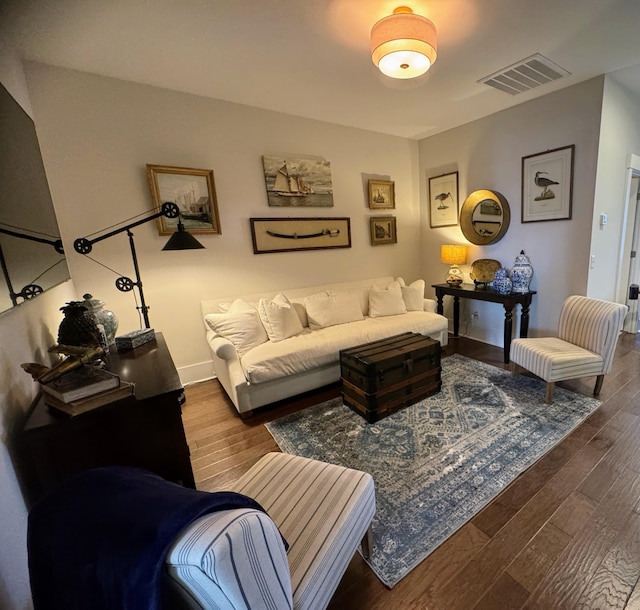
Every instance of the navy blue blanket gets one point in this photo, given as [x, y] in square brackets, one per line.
[98, 541]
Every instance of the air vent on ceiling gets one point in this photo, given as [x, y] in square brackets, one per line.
[525, 74]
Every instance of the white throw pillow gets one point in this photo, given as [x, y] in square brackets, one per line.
[386, 301]
[328, 309]
[241, 325]
[279, 318]
[413, 294]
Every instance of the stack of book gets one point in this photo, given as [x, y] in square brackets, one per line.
[84, 389]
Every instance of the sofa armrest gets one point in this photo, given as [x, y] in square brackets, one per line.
[430, 305]
[223, 348]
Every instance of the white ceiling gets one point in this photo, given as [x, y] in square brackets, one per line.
[311, 57]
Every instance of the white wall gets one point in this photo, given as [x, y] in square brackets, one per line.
[97, 134]
[619, 138]
[26, 332]
[488, 155]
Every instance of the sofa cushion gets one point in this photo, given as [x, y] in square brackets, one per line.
[329, 309]
[386, 301]
[312, 349]
[413, 294]
[279, 318]
[241, 325]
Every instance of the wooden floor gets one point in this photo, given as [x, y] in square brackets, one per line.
[565, 534]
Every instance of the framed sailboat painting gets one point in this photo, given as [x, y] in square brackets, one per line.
[298, 182]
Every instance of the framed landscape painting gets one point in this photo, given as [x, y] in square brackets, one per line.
[192, 190]
[443, 200]
[547, 185]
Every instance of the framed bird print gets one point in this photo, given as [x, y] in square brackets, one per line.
[443, 200]
[547, 185]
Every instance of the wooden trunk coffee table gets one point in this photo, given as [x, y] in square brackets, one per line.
[382, 377]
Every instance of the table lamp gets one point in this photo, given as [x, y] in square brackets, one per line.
[454, 255]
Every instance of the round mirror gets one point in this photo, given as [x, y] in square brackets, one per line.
[484, 217]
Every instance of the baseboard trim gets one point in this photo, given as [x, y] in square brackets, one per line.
[194, 373]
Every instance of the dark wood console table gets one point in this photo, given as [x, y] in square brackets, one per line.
[144, 430]
[508, 301]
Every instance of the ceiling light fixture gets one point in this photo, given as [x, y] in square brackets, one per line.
[404, 45]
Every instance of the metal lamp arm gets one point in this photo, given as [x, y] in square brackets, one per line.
[56, 243]
[84, 245]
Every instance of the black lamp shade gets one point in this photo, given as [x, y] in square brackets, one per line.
[182, 240]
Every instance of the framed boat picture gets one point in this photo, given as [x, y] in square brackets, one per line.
[292, 234]
[382, 194]
[193, 191]
[298, 182]
[443, 200]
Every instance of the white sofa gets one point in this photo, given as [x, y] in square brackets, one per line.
[270, 346]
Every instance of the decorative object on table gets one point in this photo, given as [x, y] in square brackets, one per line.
[298, 182]
[404, 45]
[134, 339]
[547, 185]
[78, 327]
[291, 234]
[502, 284]
[383, 230]
[454, 255]
[80, 383]
[88, 403]
[468, 442]
[102, 316]
[381, 194]
[193, 191]
[180, 240]
[485, 217]
[77, 356]
[483, 271]
[443, 200]
[521, 273]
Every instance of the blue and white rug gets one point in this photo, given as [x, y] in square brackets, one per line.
[439, 462]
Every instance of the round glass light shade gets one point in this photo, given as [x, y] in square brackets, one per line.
[403, 45]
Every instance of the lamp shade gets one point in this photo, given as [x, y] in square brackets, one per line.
[182, 240]
[453, 254]
[404, 45]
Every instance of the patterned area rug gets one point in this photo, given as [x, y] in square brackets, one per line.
[437, 463]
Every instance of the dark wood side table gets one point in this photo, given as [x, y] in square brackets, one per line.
[144, 430]
[508, 301]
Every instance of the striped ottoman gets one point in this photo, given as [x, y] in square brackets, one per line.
[236, 559]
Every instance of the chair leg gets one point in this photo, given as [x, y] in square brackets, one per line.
[599, 380]
[548, 398]
[515, 369]
[367, 543]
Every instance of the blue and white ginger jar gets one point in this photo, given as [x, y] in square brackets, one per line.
[521, 273]
[501, 282]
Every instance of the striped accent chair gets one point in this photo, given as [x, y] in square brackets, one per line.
[588, 332]
[236, 559]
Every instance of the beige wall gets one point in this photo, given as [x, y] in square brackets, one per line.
[488, 155]
[98, 133]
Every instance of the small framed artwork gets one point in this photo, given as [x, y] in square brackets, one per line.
[443, 200]
[383, 230]
[547, 185]
[298, 182]
[193, 191]
[382, 194]
[294, 234]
